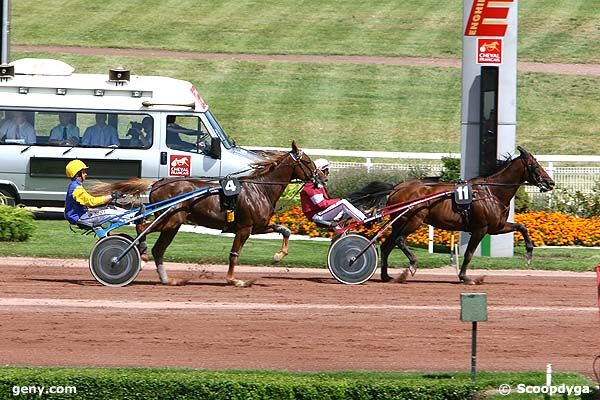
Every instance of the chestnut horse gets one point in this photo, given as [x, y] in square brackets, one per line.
[255, 205]
[487, 213]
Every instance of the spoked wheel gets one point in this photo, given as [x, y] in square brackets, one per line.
[104, 265]
[342, 263]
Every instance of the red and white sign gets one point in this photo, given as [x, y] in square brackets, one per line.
[489, 51]
[488, 21]
[199, 100]
[180, 165]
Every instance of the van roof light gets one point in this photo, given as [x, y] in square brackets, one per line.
[118, 75]
[6, 72]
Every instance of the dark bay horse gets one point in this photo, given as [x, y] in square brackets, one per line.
[254, 207]
[487, 214]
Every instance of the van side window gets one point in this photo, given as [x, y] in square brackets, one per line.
[17, 128]
[187, 133]
[140, 132]
[101, 134]
[84, 129]
[63, 132]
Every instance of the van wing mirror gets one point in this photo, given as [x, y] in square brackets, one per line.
[215, 148]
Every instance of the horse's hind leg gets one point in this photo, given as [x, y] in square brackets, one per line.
[285, 232]
[142, 245]
[386, 248]
[158, 251]
[471, 247]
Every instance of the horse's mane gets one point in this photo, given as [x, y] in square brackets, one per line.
[269, 160]
[500, 165]
[374, 195]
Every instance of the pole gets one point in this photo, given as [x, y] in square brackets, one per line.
[598, 279]
[4, 41]
[474, 351]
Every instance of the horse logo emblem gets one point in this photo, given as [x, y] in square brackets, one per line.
[180, 165]
[489, 51]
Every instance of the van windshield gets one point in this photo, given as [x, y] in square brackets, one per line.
[228, 143]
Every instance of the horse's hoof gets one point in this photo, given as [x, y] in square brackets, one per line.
[402, 278]
[177, 281]
[278, 257]
[240, 283]
[144, 257]
[474, 281]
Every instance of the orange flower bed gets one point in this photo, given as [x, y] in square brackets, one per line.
[545, 229]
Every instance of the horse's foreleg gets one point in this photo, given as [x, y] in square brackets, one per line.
[412, 259]
[285, 232]
[511, 227]
[158, 251]
[238, 242]
[471, 247]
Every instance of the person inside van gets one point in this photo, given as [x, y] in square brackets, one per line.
[141, 133]
[174, 131]
[318, 205]
[101, 134]
[17, 130]
[65, 133]
[78, 199]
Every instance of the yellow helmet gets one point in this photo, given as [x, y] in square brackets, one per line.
[73, 168]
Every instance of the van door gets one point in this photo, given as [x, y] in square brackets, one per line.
[185, 148]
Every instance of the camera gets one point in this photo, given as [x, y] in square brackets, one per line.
[136, 125]
[135, 130]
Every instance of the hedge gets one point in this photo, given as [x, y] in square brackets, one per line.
[16, 224]
[186, 384]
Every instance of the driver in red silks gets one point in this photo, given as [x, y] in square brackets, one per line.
[320, 207]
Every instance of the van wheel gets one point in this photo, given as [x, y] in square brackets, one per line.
[7, 197]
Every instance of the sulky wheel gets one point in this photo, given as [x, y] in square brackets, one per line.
[104, 266]
[341, 254]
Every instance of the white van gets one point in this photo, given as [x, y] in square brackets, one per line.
[121, 126]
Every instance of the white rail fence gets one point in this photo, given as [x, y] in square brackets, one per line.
[568, 171]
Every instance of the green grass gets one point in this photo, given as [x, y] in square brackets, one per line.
[549, 30]
[397, 108]
[330, 105]
[49, 238]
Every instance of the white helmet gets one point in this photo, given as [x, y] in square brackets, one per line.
[321, 163]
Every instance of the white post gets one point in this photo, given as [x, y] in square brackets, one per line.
[430, 245]
[549, 375]
[550, 171]
[368, 164]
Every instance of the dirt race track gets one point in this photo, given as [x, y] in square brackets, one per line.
[53, 313]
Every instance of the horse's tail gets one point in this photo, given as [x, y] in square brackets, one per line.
[374, 195]
[132, 186]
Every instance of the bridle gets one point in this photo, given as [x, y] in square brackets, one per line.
[532, 170]
[310, 174]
